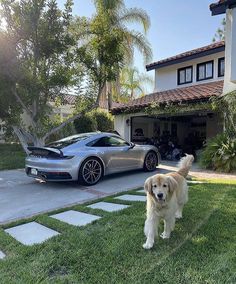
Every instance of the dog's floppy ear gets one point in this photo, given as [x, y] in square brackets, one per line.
[148, 185]
[172, 183]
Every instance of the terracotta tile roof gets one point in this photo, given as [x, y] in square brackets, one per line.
[201, 92]
[69, 99]
[187, 54]
[65, 99]
[104, 104]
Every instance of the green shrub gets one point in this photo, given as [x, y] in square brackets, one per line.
[220, 153]
[86, 123]
[67, 130]
[104, 120]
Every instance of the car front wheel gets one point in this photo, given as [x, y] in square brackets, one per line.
[150, 162]
[90, 171]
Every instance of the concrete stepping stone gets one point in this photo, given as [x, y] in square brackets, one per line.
[31, 233]
[109, 207]
[195, 181]
[2, 255]
[129, 197]
[75, 218]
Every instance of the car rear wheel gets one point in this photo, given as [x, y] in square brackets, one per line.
[90, 171]
[150, 162]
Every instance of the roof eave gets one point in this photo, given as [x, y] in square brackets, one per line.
[218, 9]
[186, 58]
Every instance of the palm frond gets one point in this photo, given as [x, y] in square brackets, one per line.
[114, 5]
[139, 41]
[135, 15]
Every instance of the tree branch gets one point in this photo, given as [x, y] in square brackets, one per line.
[24, 107]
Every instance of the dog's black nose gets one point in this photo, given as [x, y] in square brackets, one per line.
[160, 195]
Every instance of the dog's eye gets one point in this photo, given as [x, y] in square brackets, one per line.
[154, 185]
[164, 185]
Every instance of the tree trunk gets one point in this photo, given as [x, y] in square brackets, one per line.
[109, 95]
[22, 138]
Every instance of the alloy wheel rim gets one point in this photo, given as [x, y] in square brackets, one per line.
[92, 171]
[151, 161]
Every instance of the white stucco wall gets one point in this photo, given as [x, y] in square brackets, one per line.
[230, 51]
[166, 77]
[122, 124]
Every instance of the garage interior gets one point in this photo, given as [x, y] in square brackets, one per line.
[187, 133]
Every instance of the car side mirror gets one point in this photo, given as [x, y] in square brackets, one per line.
[131, 145]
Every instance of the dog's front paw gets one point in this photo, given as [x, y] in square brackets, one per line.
[147, 245]
[164, 235]
[178, 215]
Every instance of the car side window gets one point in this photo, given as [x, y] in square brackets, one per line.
[110, 142]
[103, 142]
[117, 142]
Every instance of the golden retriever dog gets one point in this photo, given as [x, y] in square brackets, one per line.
[166, 196]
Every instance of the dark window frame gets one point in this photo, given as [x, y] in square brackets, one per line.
[219, 62]
[204, 64]
[184, 69]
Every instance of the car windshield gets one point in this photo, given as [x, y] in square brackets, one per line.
[68, 141]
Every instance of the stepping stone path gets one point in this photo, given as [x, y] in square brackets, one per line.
[2, 255]
[109, 207]
[75, 218]
[31, 233]
[129, 197]
[35, 233]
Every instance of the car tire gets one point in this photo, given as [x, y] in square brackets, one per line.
[91, 171]
[150, 162]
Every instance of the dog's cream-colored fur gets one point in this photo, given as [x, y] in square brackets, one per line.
[166, 196]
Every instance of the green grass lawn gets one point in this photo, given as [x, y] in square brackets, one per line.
[12, 157]
[202, 248]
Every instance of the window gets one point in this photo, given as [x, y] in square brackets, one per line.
[185, 75]
[109, 142]
[60, 144]
[205, 70]
[221, 67]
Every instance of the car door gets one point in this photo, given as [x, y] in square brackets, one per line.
[118, 154]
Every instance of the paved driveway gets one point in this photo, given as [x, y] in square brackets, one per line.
[21, 196]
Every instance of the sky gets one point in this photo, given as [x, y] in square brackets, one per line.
[176, 25]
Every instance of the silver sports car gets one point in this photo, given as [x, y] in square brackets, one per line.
[88, 157]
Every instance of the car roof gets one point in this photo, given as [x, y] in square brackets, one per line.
[89, 136]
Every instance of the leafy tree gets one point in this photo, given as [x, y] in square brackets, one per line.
[95, 120]
[104, 120]
[86, 123]
[37, 65]
[220, 33]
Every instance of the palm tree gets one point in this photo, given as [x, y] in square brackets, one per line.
[118, 16]
[133, 83]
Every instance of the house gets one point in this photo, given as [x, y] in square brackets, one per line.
[179, 108]
[228, 7]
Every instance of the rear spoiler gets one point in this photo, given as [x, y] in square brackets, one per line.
[45, 151]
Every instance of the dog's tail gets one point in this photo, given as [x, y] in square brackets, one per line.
[185, 165]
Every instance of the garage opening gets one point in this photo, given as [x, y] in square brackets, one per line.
[175, 135]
